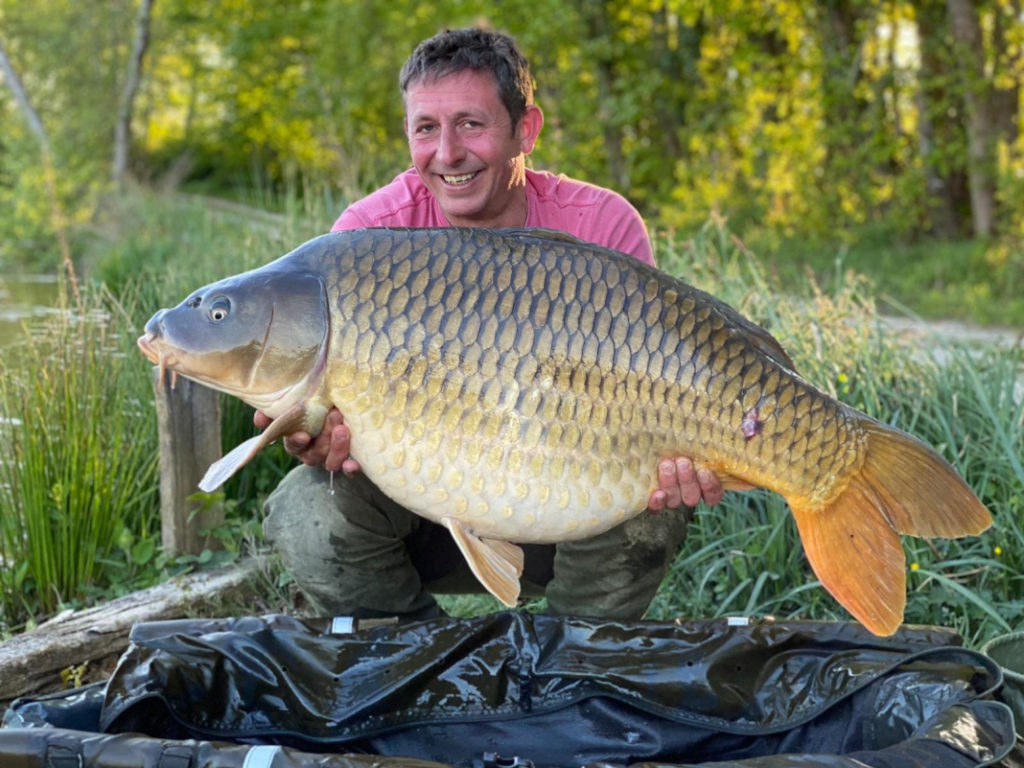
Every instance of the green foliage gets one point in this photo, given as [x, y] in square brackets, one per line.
[797, 118]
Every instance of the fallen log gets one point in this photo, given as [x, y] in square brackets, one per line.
[32, 662]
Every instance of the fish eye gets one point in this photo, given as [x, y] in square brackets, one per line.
[220, 308]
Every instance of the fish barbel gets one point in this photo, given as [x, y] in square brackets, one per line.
[521, 386]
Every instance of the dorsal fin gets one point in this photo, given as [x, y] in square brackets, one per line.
[547, 234]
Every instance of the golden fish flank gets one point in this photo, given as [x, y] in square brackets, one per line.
[520, 386]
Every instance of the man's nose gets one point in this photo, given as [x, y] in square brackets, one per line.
[450, 149]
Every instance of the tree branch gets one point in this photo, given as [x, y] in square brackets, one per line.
[37, 129]
[122, 129]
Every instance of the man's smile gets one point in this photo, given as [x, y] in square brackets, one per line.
[458, 179]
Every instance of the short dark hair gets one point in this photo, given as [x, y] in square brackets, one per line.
[455, 50]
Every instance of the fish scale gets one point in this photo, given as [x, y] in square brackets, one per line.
[521, 386]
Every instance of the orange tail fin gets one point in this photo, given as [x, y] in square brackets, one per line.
[853, 542]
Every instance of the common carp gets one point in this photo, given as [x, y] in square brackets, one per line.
[521, 386]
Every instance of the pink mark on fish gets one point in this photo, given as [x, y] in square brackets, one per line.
[751, 425]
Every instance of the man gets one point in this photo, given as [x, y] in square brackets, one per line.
[470, 121]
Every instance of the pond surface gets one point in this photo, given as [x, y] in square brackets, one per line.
[24, 299]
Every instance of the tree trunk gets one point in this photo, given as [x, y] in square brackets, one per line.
[122, 129]
[31, 662]
[846, 140]
[35, 126]
[981, 119]
[1009, 63]
[946, 195]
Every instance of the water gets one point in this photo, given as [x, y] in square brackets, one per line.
[25, 299]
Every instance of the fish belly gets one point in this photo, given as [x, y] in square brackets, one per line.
[505, 476]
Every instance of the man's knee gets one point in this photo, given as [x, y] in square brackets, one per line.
[616, 574]
[300, 507]
[343, 543]
[313, 503]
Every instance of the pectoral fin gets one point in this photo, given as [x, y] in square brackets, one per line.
[231, 462]
[290, 421]
[496, 564]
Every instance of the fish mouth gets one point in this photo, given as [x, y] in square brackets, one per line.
[145, 343]
[158, 355]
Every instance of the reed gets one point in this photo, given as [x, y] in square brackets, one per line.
[77, 457]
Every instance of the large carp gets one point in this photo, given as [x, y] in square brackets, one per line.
[521, 386]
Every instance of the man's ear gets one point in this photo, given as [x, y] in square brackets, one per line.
[529, 127]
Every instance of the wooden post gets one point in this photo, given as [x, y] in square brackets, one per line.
[188, 419]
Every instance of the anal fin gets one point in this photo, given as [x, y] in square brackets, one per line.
[496, 564]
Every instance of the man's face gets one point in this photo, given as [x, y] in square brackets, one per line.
[467, 151]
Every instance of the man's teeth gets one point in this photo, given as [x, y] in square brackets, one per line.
[460, 179]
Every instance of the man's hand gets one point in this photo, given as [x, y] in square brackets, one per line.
[329, 449]
[680, 482]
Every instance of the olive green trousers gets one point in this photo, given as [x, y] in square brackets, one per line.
[354, 552]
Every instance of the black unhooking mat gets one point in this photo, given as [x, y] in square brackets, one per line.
[517, 689]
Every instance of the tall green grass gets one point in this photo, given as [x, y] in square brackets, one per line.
[79, 506]
[77, 458]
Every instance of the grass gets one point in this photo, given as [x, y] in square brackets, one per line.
[740, 557]
[79, 514]
[77, 460]
[974, 281]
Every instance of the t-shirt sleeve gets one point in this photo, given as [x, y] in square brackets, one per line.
[589, 212]
[619, 226]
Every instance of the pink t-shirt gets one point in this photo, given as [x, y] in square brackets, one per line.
[588, 212]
